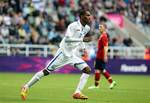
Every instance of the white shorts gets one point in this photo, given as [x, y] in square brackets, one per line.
[60, 60]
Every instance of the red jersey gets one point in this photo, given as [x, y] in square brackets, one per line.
[102, 41]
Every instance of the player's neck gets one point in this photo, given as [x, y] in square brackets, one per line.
[82, 23]
[103, 32]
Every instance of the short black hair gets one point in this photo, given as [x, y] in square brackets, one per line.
[83, 12]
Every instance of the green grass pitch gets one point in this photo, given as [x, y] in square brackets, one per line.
[58, 88]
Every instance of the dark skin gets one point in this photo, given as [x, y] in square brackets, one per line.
[86, 20]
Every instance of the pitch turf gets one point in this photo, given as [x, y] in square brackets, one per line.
[58, 88]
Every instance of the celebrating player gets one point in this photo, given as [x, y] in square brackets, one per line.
[75, 35]
[101, 59]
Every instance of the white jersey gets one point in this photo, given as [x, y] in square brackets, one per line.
[77, 31]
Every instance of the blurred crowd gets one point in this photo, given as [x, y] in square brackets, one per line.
[45, 21]
[137, 11]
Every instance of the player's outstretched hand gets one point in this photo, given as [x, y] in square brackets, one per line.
[87, 39]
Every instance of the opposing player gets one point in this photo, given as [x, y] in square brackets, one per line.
[101, 59]
[75, 35]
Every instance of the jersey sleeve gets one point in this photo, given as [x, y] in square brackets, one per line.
[82, 45]
[70, 30]
[70, 34]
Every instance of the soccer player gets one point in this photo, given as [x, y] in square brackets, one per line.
[101, 59]
[75, 36]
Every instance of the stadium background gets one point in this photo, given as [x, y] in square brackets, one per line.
[30, 32]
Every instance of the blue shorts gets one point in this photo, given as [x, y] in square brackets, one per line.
[100, 64]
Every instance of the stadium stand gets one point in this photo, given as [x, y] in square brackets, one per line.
[43, 22]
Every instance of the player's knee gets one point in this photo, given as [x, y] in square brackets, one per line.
[86, 70]
[45, 72]
[104, 70]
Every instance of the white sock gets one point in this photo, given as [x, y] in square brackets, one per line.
[34, 79]
[82, 82]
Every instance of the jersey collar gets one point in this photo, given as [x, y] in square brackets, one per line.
[80, 24]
